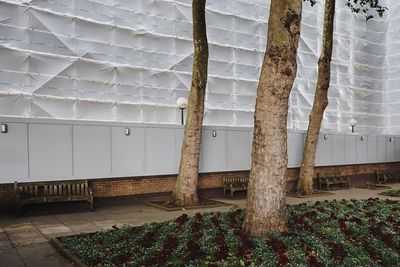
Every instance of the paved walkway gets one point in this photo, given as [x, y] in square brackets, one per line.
[24, 241]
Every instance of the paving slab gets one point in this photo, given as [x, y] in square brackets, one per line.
[9, 257]
[84, 227]
[24, 234]
[44, 220]
[42, 255]
[107, 224]
[54, 230]
[10, 220]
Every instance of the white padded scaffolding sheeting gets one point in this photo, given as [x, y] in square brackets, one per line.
[114, 60]
[359, 85]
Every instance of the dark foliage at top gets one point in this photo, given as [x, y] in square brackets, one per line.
[366, 7]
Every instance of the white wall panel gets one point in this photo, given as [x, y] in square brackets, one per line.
[362, 149]
[213, 155]
[128, 151]
[160, 151]
[350, 149]
[92, 151]
[178, 146]
[397, 148]
[50, 151]
[338, 149]
[372, 145]
[238, 150]
[295, 149]
[14, 153]
[390, 148]
[324, 150]
[381, 148]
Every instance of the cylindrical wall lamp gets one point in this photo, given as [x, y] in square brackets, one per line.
[4, 128]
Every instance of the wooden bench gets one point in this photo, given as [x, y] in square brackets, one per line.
[382, 177]
[328, 179]
[234, 184]
[53, 191]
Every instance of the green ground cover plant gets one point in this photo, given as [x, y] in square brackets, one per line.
[392, 193]
[330, 233]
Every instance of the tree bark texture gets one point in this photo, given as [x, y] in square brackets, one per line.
[305, 182]
[265, 206]
[185, 191]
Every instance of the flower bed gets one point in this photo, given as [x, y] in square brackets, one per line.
[334, 233]
[392, 193]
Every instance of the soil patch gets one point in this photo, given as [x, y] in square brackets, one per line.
[316, 193]
[203, 203]
[374, 186]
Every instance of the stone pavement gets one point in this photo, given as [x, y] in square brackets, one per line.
[24, 241]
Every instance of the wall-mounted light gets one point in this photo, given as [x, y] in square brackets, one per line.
[214, 133]
[127, 131]
[325, 137]
[4, 128]
[390, 139]
[353, 123]
[182, 104]
[362, 138]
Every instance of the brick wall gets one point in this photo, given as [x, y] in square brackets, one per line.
[137, 186]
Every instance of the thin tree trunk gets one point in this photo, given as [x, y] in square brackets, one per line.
[185, 191]
[305, 182]
[265, 206]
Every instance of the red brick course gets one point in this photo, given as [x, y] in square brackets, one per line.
[138, 186]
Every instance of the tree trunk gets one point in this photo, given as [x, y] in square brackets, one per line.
[185, 191]
[305, 183]
[265, 206]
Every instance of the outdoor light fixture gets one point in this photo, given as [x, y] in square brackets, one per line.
[362, 138]
[390, 139]
[182, 103]
[4, 128]
[127, 131]
[353, 123]
[325, 137]
[214, 133]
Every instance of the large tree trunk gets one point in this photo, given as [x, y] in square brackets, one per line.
[265, 206]
[305, 183]
[185, 191]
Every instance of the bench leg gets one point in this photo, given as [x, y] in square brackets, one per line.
[90, 201]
